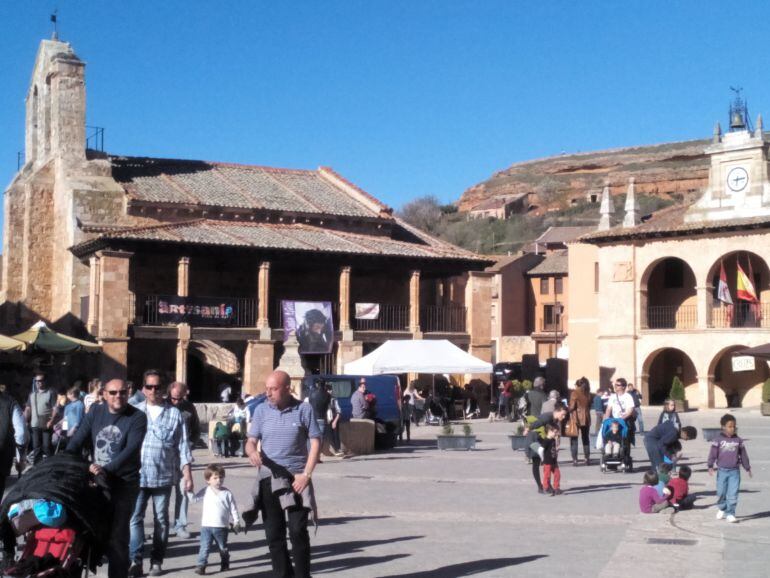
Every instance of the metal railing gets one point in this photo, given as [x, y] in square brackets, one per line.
[671, 317]
[95, 138]
[391, 318]
[145, 311]
[551, 326]
[740, 315]
[443, 318]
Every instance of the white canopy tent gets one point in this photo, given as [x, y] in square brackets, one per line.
[417, 356]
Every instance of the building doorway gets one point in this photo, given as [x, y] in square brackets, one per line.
[660, 368]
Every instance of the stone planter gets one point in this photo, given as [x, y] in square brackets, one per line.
[681, 405]
[518, 442]
[456, 442]
[765, 408]
[709, 433]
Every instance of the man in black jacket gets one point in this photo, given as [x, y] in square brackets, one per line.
[13, 434]
[115, 430]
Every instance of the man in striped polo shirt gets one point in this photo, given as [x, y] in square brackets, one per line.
[278, 446]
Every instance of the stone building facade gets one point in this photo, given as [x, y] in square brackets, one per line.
[93, 240]
[643, 295]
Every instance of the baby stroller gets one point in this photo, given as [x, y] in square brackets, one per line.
[69, 543]
[622, 462]
[435, 413]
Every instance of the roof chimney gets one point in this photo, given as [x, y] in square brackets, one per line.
[607, 209]
[632, 208]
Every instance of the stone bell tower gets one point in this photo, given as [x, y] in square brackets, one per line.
[739, 183]
[56, 106]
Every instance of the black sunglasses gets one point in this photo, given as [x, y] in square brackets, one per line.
[153, 387]
[114, 392]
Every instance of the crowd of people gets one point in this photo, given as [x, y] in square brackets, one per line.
[139, 445]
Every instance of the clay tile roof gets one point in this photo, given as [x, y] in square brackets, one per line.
[290, 237]
[554, 264]
[669, 222]
[189, 182]
[562, 234]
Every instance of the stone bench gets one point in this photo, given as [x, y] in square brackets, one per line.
[357, 436]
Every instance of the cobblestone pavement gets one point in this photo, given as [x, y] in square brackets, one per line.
[419, 512]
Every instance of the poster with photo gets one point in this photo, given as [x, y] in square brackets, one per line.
[312, 322]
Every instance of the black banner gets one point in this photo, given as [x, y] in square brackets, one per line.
[198, 311]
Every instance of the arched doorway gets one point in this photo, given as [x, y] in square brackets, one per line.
[741, 313]
[209, 366]
[739, 383]
[668, 295]
[660, 368]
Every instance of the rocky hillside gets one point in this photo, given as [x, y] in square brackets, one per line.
[672, 171]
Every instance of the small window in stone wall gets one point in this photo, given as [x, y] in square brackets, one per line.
[544, 286]
[596, 277]
[558, 285]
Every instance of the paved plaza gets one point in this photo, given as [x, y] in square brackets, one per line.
[418, 512]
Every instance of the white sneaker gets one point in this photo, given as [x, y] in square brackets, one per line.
[732, 519]
[720, 514]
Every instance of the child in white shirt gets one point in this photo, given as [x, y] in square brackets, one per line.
[219, 511]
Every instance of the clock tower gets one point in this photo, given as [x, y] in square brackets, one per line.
[738, 186]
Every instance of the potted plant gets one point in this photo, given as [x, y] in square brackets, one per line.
[448, 440]
[677, 394]
[765, 406]
[518, 439]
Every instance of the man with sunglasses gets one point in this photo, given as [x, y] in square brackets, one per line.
[115, 430]
[40, 409]
[165, 453]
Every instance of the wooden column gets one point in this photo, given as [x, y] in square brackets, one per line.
[345, 299]
[92, 323]
[263, 296]
[414, 302]
[183, 277]
[181, 359]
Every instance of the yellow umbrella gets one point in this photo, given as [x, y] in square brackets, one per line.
[40, 337]
[11, 344]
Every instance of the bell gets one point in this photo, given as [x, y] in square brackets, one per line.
[736, 120]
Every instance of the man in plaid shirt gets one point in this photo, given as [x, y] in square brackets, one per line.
[165, 453]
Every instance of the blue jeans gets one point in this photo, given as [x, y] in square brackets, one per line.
[209, 535]
[160, 501]
[181, 504]
[728, 486]
[653, 452]
[639, 420]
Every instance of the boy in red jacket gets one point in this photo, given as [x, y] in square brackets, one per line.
[680, 498]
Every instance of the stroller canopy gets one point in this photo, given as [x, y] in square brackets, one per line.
[64, 479]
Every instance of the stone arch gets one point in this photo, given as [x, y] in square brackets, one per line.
[736, 388]
[668, 295]
[742, 313]
[658, 372]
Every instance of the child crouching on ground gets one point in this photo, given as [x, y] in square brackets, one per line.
[219, 511]
[650, 502]
[550, 458]
[664, 475]
[680, 498]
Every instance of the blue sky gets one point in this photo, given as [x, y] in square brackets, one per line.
[404, 98]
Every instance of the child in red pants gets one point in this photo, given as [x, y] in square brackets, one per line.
[551, 461]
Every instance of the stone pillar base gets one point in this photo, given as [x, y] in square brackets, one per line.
[114, 359]
[258, 363]
[348, 351]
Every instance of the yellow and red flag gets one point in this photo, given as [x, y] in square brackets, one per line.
[745, 287]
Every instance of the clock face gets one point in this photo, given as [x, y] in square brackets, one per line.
[737, 179]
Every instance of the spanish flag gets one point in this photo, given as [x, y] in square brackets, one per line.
[745, 289]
